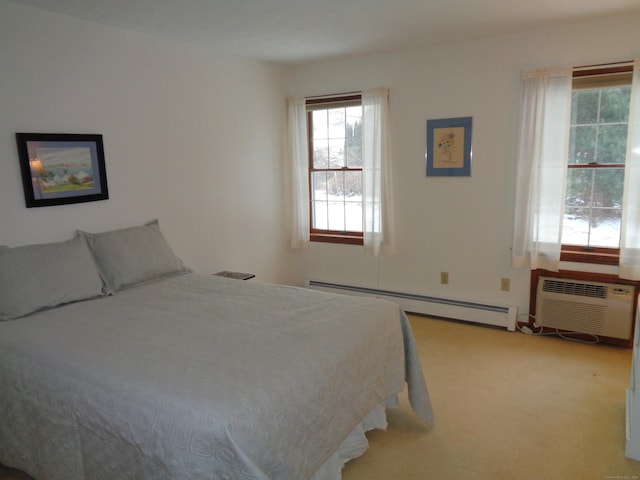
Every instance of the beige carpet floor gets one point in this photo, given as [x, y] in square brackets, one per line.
[507, 406]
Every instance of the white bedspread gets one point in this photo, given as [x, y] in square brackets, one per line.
[199, 377]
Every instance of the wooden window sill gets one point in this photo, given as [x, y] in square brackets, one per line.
[597, 256]
[337, 238]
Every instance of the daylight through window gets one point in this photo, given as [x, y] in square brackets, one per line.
[335, 168]
[596, 160]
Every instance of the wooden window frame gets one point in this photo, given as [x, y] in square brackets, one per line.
[325, 235]
[579, 253]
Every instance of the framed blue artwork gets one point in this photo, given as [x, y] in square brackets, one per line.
[449, 147]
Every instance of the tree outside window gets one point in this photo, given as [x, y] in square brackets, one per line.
[596, 160]
[335, 170]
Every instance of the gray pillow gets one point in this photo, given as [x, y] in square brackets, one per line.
[34, 277]
[134, 255]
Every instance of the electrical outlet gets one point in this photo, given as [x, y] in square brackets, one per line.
[444, 278]
[505, 284]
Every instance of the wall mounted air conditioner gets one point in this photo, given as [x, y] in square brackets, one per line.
[588, 307]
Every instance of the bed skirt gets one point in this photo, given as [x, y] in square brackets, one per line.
[356, 443]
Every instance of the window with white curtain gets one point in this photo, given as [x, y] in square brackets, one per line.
[598, 128]
[578, 173]
[335, 169]
[341, 171]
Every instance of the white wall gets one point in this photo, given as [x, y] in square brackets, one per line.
[196, 139]
[191, 137]
[458, 225]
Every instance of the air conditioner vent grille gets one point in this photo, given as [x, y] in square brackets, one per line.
[587, 307]
[575, 288]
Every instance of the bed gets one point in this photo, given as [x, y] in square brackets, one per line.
[117, 361]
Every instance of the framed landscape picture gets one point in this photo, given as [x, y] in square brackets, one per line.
[61, 168]
[449, 147]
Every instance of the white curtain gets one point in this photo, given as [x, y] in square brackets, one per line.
[376, 169]
[299, 157]
[630, 228]
[377, 194]
[542, 168]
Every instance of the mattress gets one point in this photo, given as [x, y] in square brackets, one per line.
[198, 376]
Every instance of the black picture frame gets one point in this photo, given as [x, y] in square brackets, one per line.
[62, 168]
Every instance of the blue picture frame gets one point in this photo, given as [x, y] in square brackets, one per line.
[449, 147]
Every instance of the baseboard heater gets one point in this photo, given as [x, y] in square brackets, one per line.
[496, 315]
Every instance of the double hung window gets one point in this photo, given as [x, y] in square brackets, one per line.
[599, 119]
[578, 174]
[335, 169]
[341, 171]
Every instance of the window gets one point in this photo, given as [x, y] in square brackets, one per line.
[335, 169]
[600, 103]
[350, 142]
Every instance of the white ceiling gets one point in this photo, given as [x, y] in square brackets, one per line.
[288, 31]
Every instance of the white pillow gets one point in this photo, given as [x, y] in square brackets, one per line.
[134, 255]
[34, 277]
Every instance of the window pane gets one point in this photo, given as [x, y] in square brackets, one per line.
[354, 137]
[353, 185]
[577, 229]
[353, 201]
[615, 105]
[335, 184]
[337, 200]
[336, 122]
[579, 187]
[608, 186]
[575, 226]
[336, 142]
[612, 143]
[354, 154]
[606, 233]
[582, 145]
[584, 107]
[594, 207]
[320, 214]
[353, 114]
[354, 147]
[336, 215]
[320, 124]
[353, 214]
[336, 207]
[319, 141]
[319, 186]
[320, 154]
[336, 153]
[319, 199]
